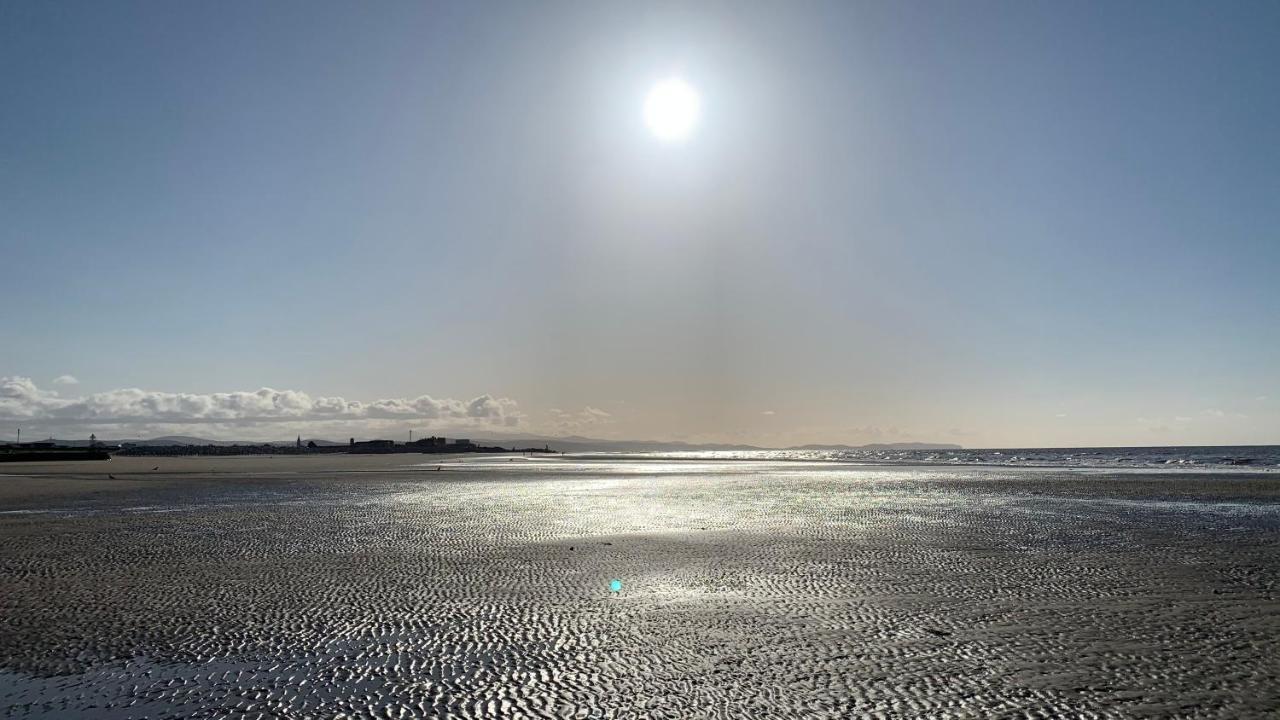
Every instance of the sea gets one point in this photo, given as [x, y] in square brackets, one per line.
[1226, 457]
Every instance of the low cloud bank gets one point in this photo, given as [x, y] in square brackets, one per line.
[22, 400]
[565, 421]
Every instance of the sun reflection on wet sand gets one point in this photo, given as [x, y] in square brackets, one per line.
[757, 588]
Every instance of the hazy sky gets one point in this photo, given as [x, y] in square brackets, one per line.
[1019, 223]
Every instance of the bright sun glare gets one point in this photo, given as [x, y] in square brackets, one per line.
[671, 109]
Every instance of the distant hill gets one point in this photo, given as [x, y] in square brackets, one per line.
[168, 440]
[179, 440]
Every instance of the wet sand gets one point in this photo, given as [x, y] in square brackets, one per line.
[363, 586]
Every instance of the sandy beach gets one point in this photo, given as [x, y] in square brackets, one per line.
[372, 586]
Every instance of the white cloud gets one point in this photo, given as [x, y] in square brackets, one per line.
[22, 400]
[66, 380]
[565, 421]
[768, 412]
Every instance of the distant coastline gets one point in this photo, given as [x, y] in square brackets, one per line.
[94, 449]
[915, 453]
[178, 445]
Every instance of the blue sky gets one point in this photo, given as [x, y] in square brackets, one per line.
[983, 223]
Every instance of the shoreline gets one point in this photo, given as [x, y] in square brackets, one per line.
[398, 460]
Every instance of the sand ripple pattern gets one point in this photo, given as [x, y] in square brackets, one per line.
[750, 590]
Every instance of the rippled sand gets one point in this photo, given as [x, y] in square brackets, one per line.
[363, 587]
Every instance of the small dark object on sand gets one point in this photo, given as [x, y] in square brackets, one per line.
[570, 548]
[110, 476]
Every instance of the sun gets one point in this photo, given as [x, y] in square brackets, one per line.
[671, 109]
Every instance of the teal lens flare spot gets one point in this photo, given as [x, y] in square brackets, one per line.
[615, 586]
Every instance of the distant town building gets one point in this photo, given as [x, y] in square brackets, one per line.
[372, 446]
